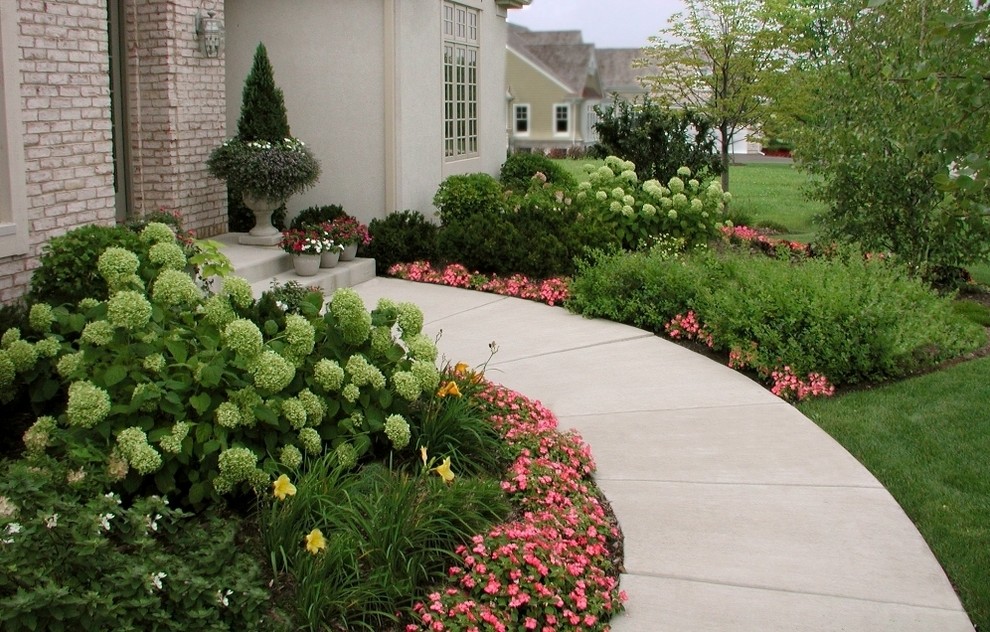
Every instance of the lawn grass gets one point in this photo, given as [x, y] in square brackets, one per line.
[926, 439]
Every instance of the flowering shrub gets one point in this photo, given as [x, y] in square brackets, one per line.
[687, 327]
[549, 569]
[305, 241]
[272, 170]
[346, 230]
[640, 212]
[176, 389]
[761, 241]
[550, 291]
[789, 386]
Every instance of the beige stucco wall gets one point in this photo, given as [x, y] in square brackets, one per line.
[529, 85]
[363, 85]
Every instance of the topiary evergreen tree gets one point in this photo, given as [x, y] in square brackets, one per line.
[263, 117]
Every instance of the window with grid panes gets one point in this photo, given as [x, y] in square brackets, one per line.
[460, 80]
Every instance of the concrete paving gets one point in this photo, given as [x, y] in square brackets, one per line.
[738, 512]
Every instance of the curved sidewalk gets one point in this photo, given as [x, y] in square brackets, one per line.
[739, 513]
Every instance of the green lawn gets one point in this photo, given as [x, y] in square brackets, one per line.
[927, 440]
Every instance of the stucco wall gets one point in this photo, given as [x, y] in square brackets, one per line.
[65, 96]
[531, 86]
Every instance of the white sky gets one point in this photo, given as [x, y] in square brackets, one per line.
[604, 23]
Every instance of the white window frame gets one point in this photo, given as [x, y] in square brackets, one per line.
[13, 197]
[570, 120]
[461, 59]
[516, 108]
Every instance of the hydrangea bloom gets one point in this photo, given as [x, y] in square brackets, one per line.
[410, 319]
[363, 373]
[352, 317]
[157, 232]
[175, 288]
[129, 309]
[68, 365]
[246, 399]
[680, 200]
[406, 385]
[294, 412]
[427, 374]
[87, 304]
[98, 333]
[236, 465]
[272, 372]
[172, 443]
[7, 370]
[381, 340]
[117, 264]
[346, 455]
[239, 291]
[23, 354]
[310, 441]
[244, 337]
[328, 375]
[218, 312]
[167, 256]
[676, 185]
[228, 415]
[9, 337]
[41, 317]
[154, 363]
[47, 347]
[300, 337]
[133, 446]
[351, 393]
[397, 431]
[149, 393]
[422, 348]
[37, 436]
[315, 408]
[88, 404]
[290, 456]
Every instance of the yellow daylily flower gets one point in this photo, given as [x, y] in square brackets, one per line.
[444, 471]
[450, 388]
[283, 487]
[461, 368]
[315, 542]
[422, 454]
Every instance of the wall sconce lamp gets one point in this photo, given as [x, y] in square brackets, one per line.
[210, 32]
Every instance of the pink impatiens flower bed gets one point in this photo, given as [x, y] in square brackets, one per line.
[552, 291]
[551, 568]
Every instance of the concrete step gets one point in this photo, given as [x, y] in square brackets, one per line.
[263, 265]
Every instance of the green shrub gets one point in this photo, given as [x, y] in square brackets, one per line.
[175, 391]
[519, 169]
[401, 237]
[68, 272]
[316, 215]
[75, 558]
[847, 318]
[388, 535]
[483, 242]
[461, 196]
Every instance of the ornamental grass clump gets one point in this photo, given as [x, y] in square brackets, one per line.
[177, 389]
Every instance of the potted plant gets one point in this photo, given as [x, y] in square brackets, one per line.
[266, 173]
[349, 233]
[306, 245]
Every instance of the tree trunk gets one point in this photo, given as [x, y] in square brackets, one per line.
[726, 141]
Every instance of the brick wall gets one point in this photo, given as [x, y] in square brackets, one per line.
[177, 113]
[65, 92]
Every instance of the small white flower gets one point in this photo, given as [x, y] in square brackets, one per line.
[152, 522]
[105, 521]
[156, 580]
[222, 597]
[52, 521]
[7, 507]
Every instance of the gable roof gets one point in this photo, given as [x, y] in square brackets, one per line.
[617, 71]
[562, 55]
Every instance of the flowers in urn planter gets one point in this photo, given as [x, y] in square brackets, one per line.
[347, 230]
[304, 241]
[265, 169]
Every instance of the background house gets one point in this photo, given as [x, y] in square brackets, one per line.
[555, 81]
[111, 107]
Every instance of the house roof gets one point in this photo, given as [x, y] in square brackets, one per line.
[616, 69]
[563, 55]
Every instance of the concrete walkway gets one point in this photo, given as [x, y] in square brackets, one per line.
[738, 512]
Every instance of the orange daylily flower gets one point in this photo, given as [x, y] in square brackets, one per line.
[450, 388]
[461, 368]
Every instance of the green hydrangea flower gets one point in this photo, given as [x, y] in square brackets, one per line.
[299, 336]
[351, 393]
[37, 437]
[132, 444]
[363, 373]
[388, 308]
[328, 375]
[294, 412]
[98, 333]
[422, 348]
[427, 374]
[41, 317]
[8, 372]
[353, 319]
[680, 200]
[246, 399]
[346, 455]
[129, 309]
[290, 457]
[696, 204]
[218, 312]
[629, 176]
[315, 408]
[88, 404]
[381, 340]
[397, 431]
[149, 394]
[87, 304]
[239, 291]
[244, 338]
[410, 319]
[310, 441]
[618, 193]
[175, 289]
[605, 173]
[235, 466]
[117, 264]
[684, 172]
[154, 363]
[157, 233]
[676, 185]
[672, 214]
[47, 347]
[693, 184]
[68, 365]
[168, 256]
[407, 385]
[272, 372]
[10, 336]
[601, 196]
[649, 210]
[228, 415]
[172, 443]
[23, 354]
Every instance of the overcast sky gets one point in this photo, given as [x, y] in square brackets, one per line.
[604, 23]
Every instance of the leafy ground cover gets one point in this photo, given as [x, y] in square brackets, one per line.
[926, 439]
